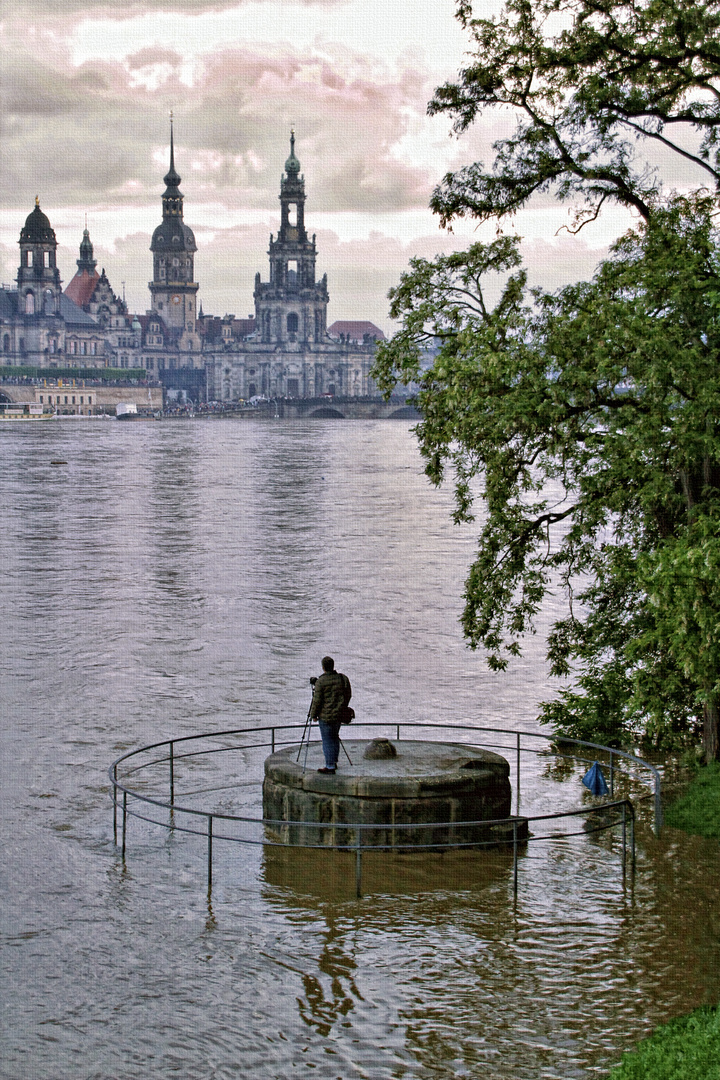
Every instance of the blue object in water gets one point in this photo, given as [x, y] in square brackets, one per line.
[595, 780]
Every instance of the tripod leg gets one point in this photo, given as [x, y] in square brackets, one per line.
[343, 746]
[307, 747]
[302, 740]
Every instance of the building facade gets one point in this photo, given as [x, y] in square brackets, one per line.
[285, 350]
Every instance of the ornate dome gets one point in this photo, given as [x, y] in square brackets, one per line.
[37, 228]
[292, 165]
[173, 236]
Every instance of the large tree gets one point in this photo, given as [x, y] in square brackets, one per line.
[586, 421]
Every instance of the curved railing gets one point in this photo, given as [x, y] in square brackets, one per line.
[170, 753]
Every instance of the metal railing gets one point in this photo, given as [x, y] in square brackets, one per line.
[125, 798]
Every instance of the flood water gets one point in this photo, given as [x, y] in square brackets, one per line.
[187, 576]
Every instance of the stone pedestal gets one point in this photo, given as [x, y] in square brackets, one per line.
[443, 792]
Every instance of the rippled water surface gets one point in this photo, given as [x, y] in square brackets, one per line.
[186, 576]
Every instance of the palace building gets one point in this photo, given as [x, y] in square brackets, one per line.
[285, 350]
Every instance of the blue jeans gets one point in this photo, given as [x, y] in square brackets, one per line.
[330, 735]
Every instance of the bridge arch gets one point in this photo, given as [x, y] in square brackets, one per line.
[406, 412]
[326, 412]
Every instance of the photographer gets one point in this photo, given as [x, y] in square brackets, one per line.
[331, 696]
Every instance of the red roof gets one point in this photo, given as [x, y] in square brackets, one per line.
[355, 330]
[82, 287]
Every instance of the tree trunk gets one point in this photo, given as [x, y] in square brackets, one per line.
[711, 731]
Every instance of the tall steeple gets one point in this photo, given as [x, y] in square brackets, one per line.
[86, 263]
[172, 200]
[292, 306]
[173, 289]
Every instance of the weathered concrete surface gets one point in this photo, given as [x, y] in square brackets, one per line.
[443, 790]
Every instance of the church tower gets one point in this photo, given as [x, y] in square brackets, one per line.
[86, 264]
[292, 306]
[38, 277]
[173, 288]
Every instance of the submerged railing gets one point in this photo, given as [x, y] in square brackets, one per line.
[127, 801]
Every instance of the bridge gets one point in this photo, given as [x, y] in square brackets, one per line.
[345, 408]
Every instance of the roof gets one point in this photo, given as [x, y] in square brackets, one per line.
[74, 315]
[8, 303]
[145, 320]
[82, 287]
[37, 228]
[355, 330]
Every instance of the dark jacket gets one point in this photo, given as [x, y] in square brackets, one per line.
[332, 692]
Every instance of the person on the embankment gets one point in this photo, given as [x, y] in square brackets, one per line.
[331, 695]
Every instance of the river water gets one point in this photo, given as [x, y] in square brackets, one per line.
[180, 577]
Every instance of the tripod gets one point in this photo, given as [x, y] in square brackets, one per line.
[306, 730]
[306, 734]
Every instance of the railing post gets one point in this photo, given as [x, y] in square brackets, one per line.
[358, 862]
[209, 853]
[115, 805]
[517, 776]
[632, 840]
[272, 740]
[624, 836]
[172, 772]
[397, 733]
[612, 774]
[124, 823]
[658, 806]
[515, 859]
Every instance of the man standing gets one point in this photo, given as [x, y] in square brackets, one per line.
[331, 694]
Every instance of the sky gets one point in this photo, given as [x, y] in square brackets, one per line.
[86, 92]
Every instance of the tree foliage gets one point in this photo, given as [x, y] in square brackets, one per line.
[586, 421]
[594, 85]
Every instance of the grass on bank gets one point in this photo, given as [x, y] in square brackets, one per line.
[687, 1048]
[698, 810]
[684, 1049]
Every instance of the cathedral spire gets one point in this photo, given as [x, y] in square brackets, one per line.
[86, 262]
[292, 165]
[172, 180]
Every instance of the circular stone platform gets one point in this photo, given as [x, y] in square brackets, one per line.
[426, 782]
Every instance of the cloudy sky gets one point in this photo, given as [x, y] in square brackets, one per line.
[86, 95]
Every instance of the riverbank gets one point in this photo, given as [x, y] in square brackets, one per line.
[688, 1047]
[697, 811]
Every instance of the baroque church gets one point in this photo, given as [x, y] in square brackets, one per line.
[285, 350]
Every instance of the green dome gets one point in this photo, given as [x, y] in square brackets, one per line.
[292, 165]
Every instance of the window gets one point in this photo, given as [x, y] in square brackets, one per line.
[92, 348]
[46, 258]
[29, 304]
[6, 343]
[292, 323]
[26, 258]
